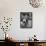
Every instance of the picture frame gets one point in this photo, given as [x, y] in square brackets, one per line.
[25, 19]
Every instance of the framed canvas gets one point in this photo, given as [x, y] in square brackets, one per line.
[25, 19]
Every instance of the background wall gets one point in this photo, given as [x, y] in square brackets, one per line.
[12, 8]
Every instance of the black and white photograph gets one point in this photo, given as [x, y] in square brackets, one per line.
[25, 19]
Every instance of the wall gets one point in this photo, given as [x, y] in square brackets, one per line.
[12, 8]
